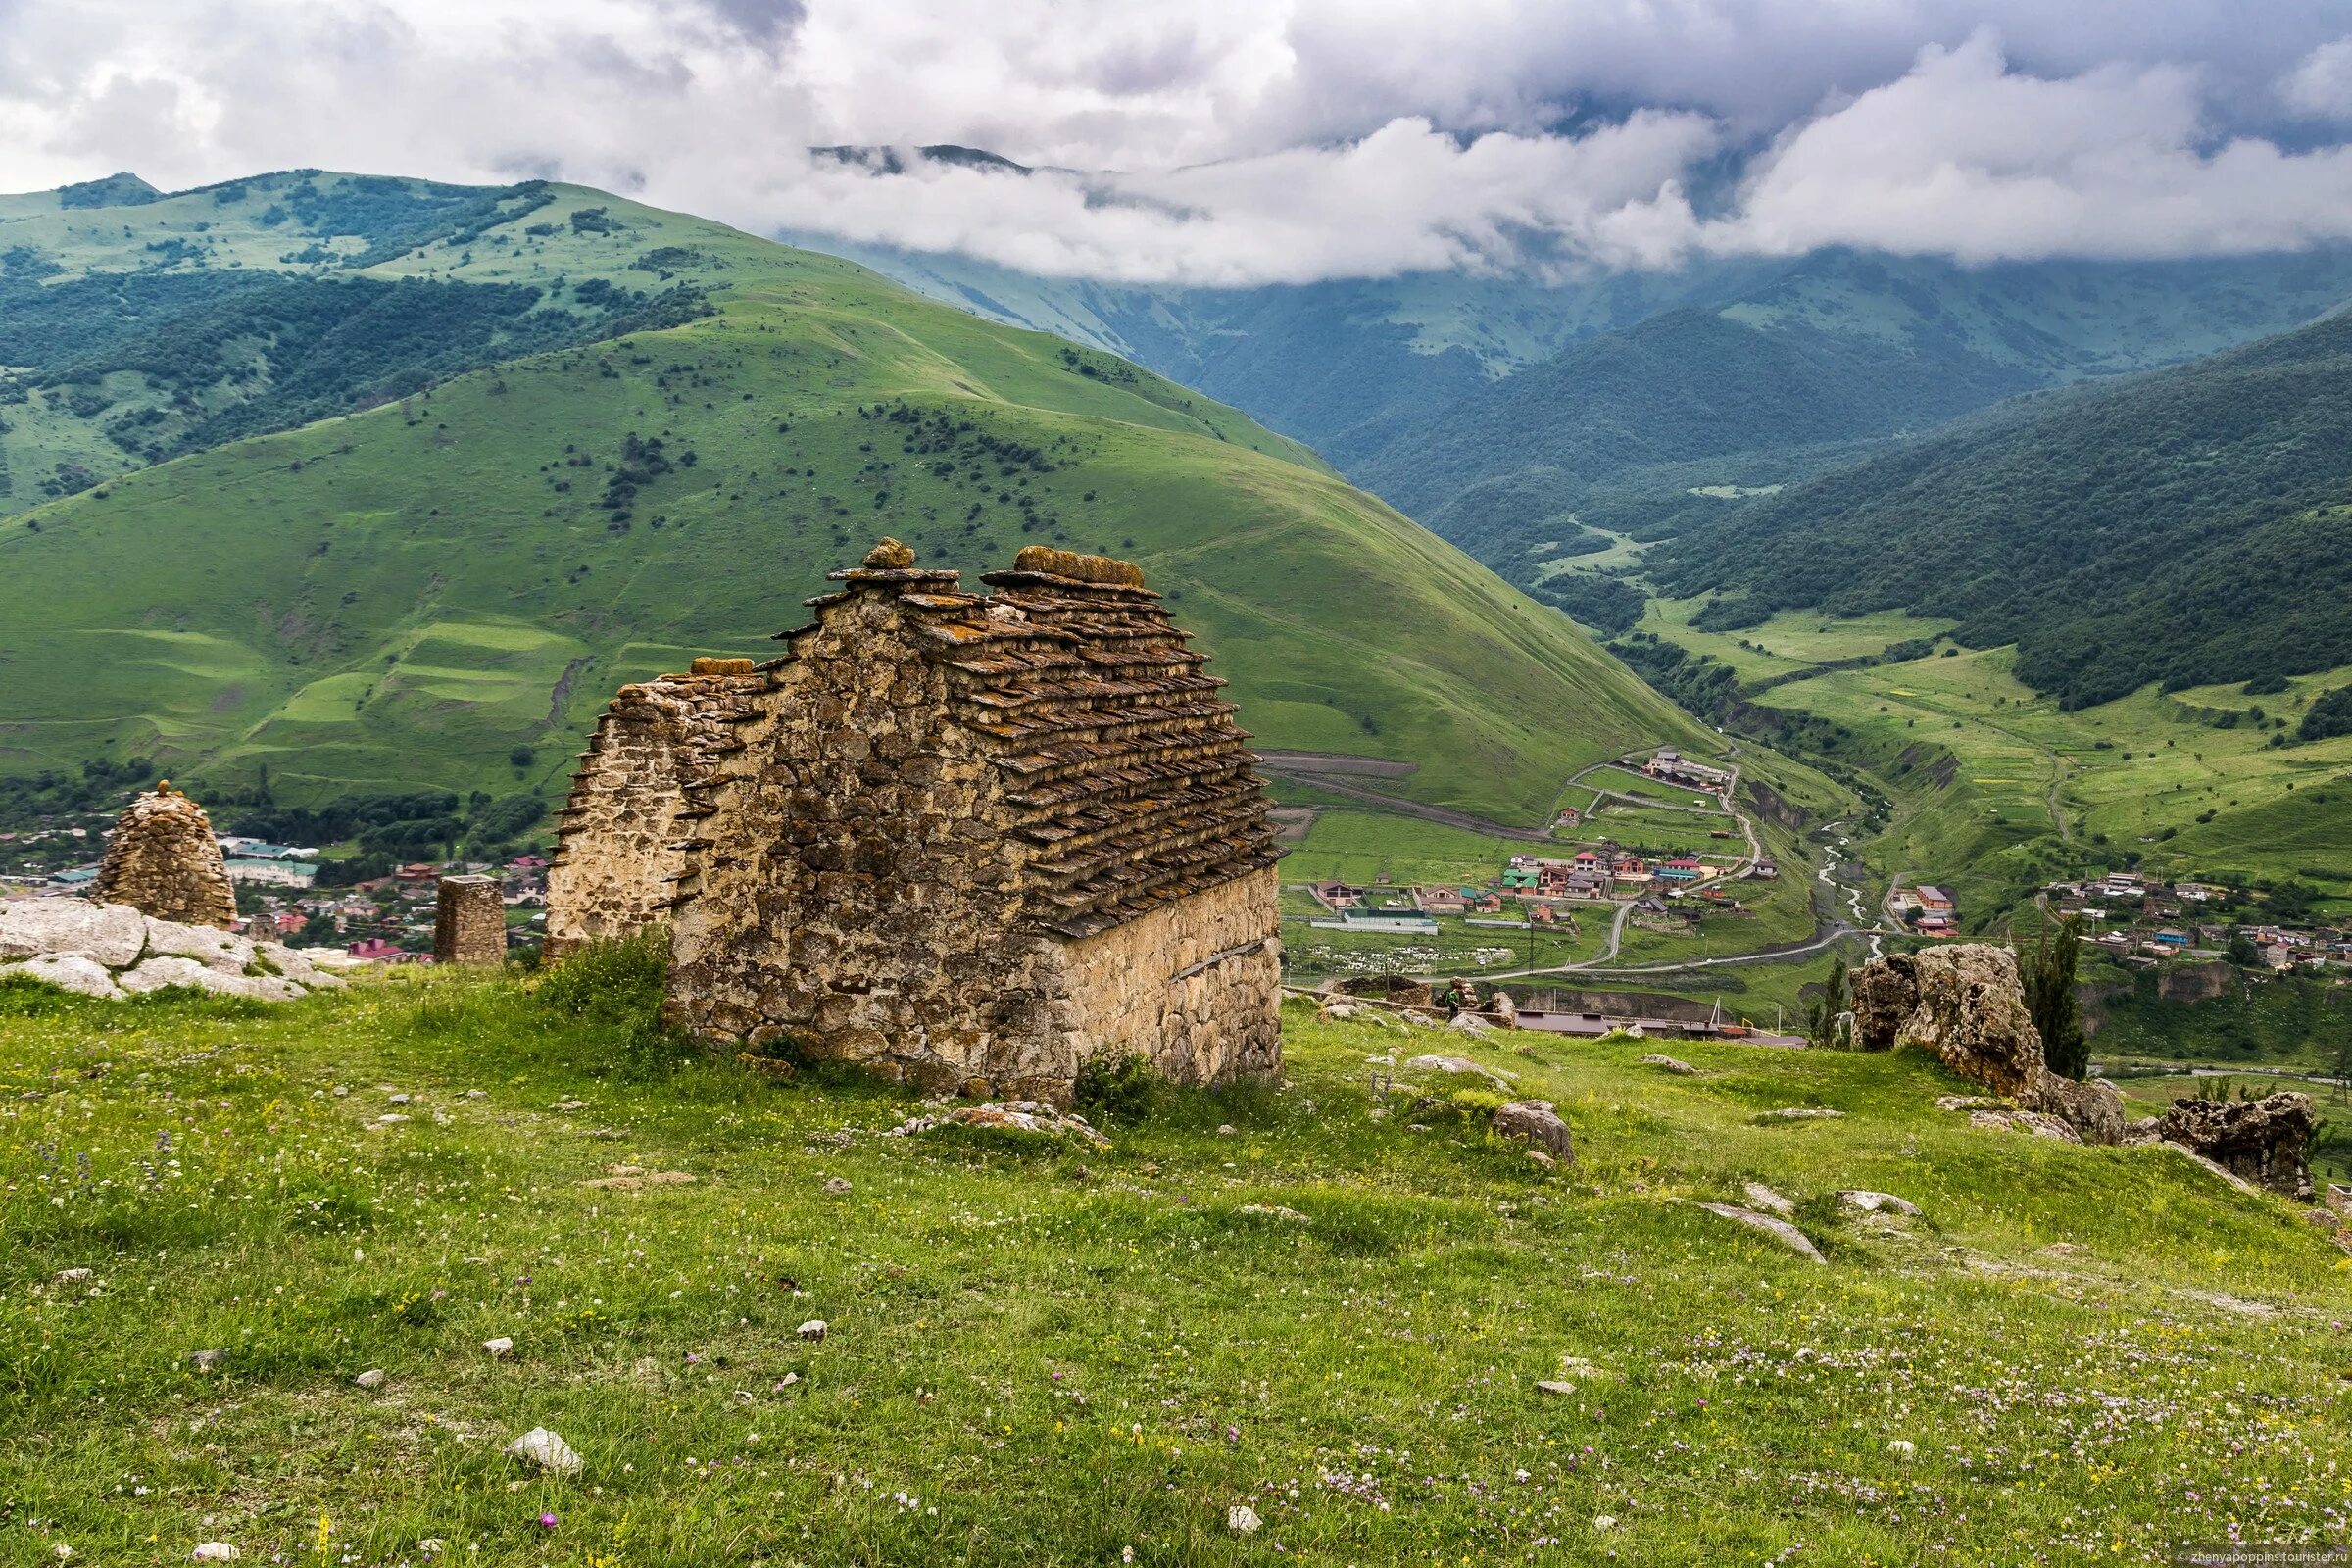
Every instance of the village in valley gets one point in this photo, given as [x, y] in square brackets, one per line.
[288, 893]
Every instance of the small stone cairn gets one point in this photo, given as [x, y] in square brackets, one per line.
[163, 860]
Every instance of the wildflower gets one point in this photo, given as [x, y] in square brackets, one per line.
[547, 1521]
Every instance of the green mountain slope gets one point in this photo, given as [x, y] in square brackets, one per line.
[415, 593]
[2185, 526]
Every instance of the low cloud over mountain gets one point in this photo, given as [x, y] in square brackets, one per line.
[1245, 143]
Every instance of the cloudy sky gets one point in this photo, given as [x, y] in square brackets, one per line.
[1250, 141]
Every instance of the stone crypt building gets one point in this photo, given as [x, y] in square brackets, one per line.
[972, 839]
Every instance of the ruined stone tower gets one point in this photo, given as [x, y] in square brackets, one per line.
[469, 921]
[972, 839]
[163, 860]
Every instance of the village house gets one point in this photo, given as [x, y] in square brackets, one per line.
[1443, 899]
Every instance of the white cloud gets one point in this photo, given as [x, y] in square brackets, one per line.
[1253, 140]
[2320, 84]
[1966, 158]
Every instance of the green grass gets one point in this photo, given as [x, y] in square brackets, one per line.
[1972, 757]
[1353, 845]
[1056, 1356]
[1790, 641]
[406, 594]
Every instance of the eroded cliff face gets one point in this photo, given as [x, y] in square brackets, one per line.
[163, 860]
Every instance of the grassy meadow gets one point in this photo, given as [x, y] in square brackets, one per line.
[1330, 1307]
[1996, 788]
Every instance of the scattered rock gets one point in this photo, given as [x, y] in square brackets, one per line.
[1338, 1011]
[111, 949]
[542, 1449]
[1011, 1115]
[500, 1348]
[1555, 1386]
[215, 1552]
[1274, 1211]
[207, 1360]
[390, 1118]
[1541, 1159]
[1800, 1114]
[1537, 1124]
[1966, 1004]
[2063, 1248]
[570, 1105]
[1965, 1102]
[1225, 1130]
[813, 1330]
[2024, 1121]
[2266, 1140]
[1462, 1066]
[373, 1378]
[396, 1100]
[1870, 1202]
[1780, 1230]
[1681, 1069]
[2339, 1198]
[109, 934]
[1764, 1198]
[72, 1276]
[477, 1093]
[634, 1178]
[1242, 1519]
[1471, 1023]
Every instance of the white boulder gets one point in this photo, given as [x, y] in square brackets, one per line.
[543, 1449]
[67, 971]
[112, 935]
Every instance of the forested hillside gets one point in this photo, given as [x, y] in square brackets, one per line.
[2188, 525]
[441, 589]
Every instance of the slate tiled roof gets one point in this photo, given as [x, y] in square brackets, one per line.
[1130, 779]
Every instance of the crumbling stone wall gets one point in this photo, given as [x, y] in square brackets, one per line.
[164, 861]
[976, 840]
[616, 866]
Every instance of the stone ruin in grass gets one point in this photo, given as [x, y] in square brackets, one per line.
[163, 860]
[974, 841]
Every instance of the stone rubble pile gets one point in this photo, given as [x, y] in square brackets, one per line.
[113, 950]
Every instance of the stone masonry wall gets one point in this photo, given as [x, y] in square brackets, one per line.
[469, 921]
[618, 859]
[1196, 987]
[853, 892]
[163, 860]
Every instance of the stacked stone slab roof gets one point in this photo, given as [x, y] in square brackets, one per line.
[1130, 777]
[163, 860]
